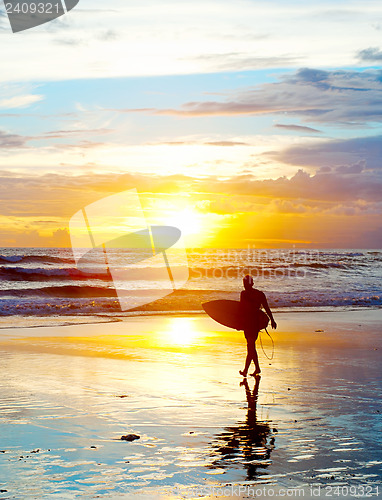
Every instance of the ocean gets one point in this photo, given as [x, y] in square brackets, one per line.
[45, 282]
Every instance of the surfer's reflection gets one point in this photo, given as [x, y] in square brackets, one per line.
[245, 445]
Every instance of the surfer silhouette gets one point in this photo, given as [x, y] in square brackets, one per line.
[251, 301]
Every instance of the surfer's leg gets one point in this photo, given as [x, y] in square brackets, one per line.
[248, 360]
[255, 359]
[249, 356]
[257, 366]
[247, 364]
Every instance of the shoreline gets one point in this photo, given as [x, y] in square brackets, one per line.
[294, 327]
[35, 321]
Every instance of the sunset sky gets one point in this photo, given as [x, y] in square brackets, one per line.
[244, 123]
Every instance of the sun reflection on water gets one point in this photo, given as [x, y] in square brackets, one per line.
[181, 332]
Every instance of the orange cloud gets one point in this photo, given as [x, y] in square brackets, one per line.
[335, 208]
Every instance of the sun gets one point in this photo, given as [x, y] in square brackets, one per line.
[188, 220]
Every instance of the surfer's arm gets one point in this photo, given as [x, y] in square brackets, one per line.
[269, 312]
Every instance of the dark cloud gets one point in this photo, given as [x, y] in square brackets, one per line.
[322, 186]
[356, 168]
[348, 98]
[310, 75]
[335, 153]
[373, 54]
[108, 35]
[298, 128]
[10, 141]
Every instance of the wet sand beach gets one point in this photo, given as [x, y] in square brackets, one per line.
[313, 420]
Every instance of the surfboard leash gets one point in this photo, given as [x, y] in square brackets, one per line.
[273, 345]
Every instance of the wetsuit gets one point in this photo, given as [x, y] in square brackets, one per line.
[251, 301]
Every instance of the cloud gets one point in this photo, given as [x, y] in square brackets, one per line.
[346, 98]
[20, 101]
[22, 237]
[9, 141]
[226, 143]
[297, 128]
[105, 35]
[80, 145]
[15, 96]
[335, 153]
[62, 195]
[356, 168]
[335, 208]
[108, 35]
[373, 54]
[235, 61]
[329, 187]
[222, 143]
[71, 42]
[174, 38]
[63, 134]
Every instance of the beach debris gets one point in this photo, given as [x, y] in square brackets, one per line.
[319, 331]
[288, 388]
[123, 396]
[130, 437]
[35, 451]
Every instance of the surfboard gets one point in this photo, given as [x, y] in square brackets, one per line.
[229, 313]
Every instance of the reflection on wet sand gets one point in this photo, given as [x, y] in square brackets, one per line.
[245, 445]
[71, 393]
